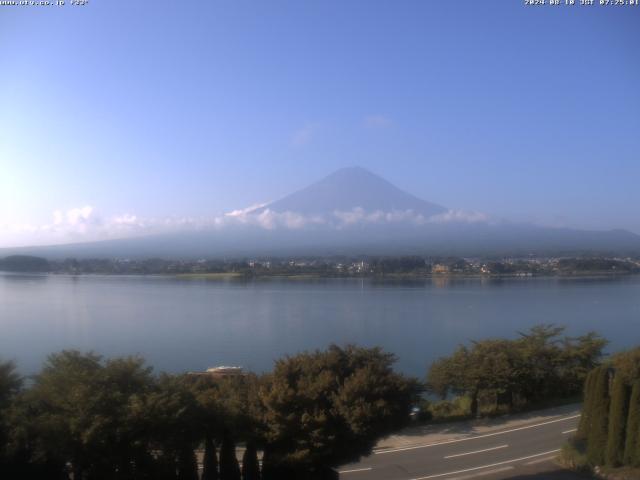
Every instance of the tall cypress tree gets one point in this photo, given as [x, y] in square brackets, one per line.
[268, 472]
[187, 464]
[144, 464]
[210, 461]
[632, 446]
[587, 406]
[599, 418]
[618, 414]
[229, 468]
[166, 467]
[250, 465]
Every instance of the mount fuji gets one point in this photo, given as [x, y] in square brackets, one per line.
[350, 212]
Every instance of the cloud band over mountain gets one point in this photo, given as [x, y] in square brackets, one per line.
[86, 223]
[351, 209]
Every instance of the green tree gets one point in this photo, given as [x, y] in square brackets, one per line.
[537, 366]
[496, 364]
[632, 445]
[627, 365]
[325, 408]
[588, 405]
[456, 374]
[599, 419]
[171, 418]
[78, 411]
[10, 385]
[578, 357]
[166, 467]
[250, 465]
[229, 468]
[210, 461]
[618, 415]
[540, 354]
[187, 464]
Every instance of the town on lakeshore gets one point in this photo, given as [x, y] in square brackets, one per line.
[336, 266]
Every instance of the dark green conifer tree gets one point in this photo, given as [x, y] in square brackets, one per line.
[143, 465]
[618, 414]
[166, 467]
[210, 462]
[187, 464]
[267, 465]
[229, 468]
[599, 421]
[587, 408]
[632, 445]
[250, 465]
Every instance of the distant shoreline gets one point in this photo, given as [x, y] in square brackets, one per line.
[390, 276]
[310, 276]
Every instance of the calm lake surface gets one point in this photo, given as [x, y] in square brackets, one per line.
[193, 324]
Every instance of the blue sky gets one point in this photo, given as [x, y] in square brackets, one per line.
[154, 109]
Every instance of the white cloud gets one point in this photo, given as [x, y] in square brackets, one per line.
[459, 216]
[86, 224]
[267, 218]
[245, 211]
[81, 216]
[377, 121]
[125, 219]
[360, 216]
[74, 225]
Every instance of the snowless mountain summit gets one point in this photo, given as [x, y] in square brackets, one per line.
[349, 188]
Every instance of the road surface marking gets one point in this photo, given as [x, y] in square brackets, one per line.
[487, 466]
[482, 474]
[570, 431]
[477, 451]
[355, 470]
[540, 460]
[475, 437]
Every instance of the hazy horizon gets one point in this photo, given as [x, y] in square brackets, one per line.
[122, 119]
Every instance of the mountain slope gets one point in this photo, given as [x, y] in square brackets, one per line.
[460, 239]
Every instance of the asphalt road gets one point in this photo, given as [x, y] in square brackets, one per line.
[502, 454]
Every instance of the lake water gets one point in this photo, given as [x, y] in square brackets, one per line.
[193, 324]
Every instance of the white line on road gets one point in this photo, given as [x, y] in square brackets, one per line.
[541, 460]
[477, 451]
[476, 437]
[355, 470]
[481, 474]
[570, 431]
[487, 466]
